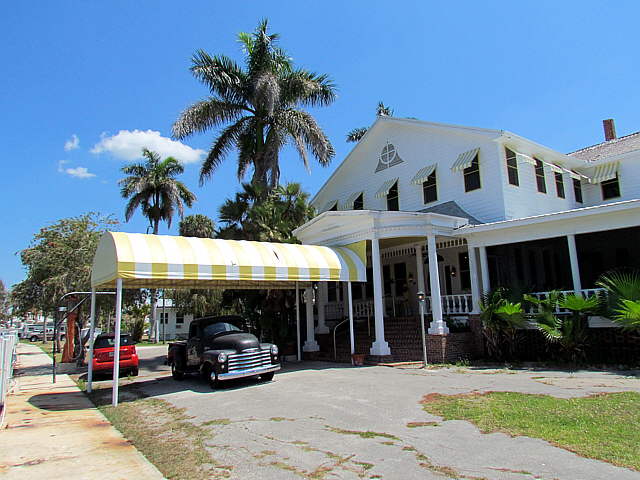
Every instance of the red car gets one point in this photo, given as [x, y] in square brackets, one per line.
[103, 350]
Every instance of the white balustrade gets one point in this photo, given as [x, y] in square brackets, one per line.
[460, 304]
[585, 292]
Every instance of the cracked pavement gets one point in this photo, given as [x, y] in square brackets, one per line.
[326, 421]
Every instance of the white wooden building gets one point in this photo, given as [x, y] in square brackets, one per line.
[454, 210]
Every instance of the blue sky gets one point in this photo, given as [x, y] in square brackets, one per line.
[547, 70]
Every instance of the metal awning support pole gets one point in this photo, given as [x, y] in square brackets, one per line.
[92, 329]
[351, 334]
[116, 347]
[298, 323]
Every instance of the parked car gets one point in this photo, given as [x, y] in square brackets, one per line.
[34, 333]
[219, 350]
[103, 352]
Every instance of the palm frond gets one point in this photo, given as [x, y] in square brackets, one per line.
[356, 134]
[223, 144]
[206, 114]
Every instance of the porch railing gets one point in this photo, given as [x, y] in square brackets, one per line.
[585, 292]
[461, 304]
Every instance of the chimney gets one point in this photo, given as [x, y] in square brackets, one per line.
[609, 129]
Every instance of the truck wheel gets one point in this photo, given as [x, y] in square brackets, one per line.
[206, 371]
[33, 338]
[134, 372]
[267, 377]
[176, 373]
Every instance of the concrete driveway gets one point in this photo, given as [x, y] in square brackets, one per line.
[320, 420]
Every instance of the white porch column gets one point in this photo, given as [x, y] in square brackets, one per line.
[419, 268]
[299, 353]
[321, 302]
[116, 346]
[437, 327]
[484, 267]
[575, 265]
[351, 333]
[380, 346]
[475, 284]
[310, 345]
[92, 329]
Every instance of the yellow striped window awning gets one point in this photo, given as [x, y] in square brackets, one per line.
[465, 160]
[602, 173]
[383, 191]
[164, 261]
[422, 175]
[348, 205]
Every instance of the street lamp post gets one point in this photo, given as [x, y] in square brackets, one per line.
[421, 301]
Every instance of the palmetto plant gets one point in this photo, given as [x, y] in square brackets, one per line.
[623, 297]
[501, 318]
[258, 108]
[569, 331]
[152, 186]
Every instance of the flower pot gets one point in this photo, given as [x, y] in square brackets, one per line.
[358, 359]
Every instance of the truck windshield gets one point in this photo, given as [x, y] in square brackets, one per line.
[218, 328]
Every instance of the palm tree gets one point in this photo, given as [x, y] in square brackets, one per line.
[252, 215]
[197, 226]
[258, 108]
[152, 187]
[356, 134]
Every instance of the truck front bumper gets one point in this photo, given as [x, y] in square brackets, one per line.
[250, 372]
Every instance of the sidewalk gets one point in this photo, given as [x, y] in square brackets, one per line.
[53, 431]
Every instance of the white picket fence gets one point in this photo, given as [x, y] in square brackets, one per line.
[8, 342]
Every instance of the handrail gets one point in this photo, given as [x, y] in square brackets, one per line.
[335, 348]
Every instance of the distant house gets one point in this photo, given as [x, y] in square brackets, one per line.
[173, 325]
[454, 210]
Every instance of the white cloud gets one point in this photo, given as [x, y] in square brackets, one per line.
[128, 145]
[79, 172]
[61, 165]
[72, 143]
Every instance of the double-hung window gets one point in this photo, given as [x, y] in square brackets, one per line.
[512, 167]
[610, 188]
[472, 176]
[540, 181]
[430, 188]
[393, 201]
[577, 190]
[559, 185]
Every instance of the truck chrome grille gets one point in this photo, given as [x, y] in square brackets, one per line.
[249, 359]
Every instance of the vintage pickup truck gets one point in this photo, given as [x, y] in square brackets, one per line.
[219, 350]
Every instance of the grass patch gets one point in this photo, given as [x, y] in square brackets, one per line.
[421, 424]
[361, 434]
[164, 434]
[604, 426]
[217, 421]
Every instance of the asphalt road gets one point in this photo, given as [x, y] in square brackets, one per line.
[310, 422]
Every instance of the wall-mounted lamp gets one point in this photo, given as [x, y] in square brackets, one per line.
[453, 271]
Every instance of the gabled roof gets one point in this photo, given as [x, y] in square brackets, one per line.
[452, 209]
[610, 148]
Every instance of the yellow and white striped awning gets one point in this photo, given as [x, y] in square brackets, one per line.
[602, 173]
[348, 205]
[163, 261]
[422, 175]
[386, 186]
[464, 160]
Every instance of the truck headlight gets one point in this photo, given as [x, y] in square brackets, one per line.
[222, 357]
[274, 350]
